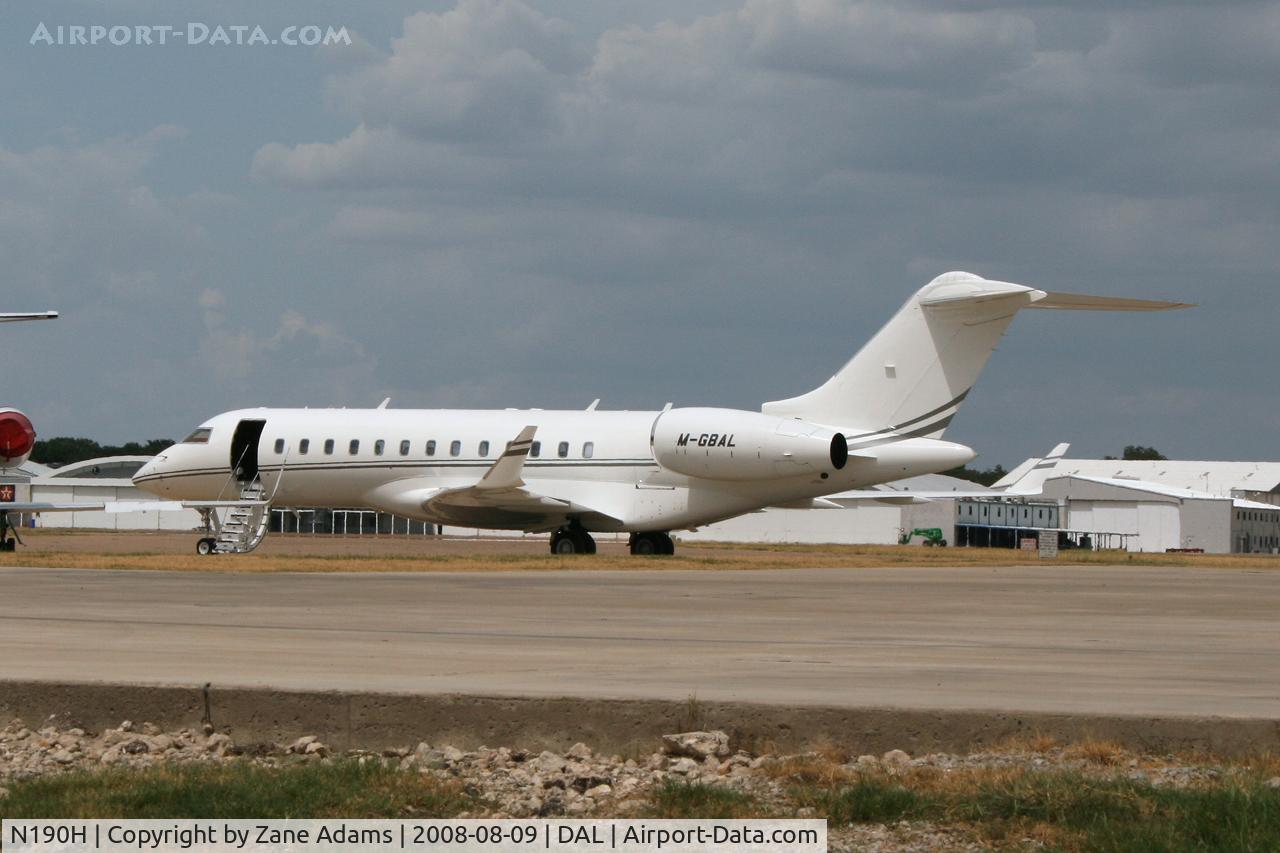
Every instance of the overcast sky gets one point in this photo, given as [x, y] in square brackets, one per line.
[496, 203]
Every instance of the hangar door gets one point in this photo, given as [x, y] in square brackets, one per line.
[1152, 526]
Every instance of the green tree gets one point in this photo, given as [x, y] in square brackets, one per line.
[63, 450]
[1137, 451]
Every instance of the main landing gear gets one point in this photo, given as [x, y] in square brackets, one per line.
[7, 542]
[652, 542]
[573, 539]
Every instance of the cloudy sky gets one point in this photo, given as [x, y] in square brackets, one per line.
[501, 203]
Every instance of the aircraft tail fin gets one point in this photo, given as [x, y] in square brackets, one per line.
[912, 376]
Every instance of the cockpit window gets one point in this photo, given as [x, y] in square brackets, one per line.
[200, 436]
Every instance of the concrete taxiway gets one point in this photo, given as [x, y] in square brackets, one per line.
[1126, 641]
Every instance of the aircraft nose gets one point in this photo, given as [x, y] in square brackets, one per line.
[148, 471]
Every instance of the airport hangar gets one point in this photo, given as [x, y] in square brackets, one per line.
[1147, 505]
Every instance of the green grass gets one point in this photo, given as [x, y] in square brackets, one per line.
[1064, 811]
[685, 800]
[871, 801]
[1069, 811]
[236, 790]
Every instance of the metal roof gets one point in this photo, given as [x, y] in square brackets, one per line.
[1213, 477]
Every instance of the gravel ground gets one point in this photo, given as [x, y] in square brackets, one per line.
[580, 783]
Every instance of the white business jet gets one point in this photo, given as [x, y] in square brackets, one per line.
[880, 418]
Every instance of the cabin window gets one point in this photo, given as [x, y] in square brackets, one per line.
[404, 447]
[535, 449]
[588, 450]
[455, 447]
[328, 447]
[304, 446]
[563, 450]
[279, 445]
[378, 447]
[484, 448]
[431, 447]
[354, 447]
[200, 436]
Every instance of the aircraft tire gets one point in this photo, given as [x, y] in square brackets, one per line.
[643, 545]
[572, 540]
[652, 544]
[205, 546]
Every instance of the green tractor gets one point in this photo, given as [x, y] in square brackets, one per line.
[932, 536]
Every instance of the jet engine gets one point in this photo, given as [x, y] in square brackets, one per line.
[729, 444]
[17, 437]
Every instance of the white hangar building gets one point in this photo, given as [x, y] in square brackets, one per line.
[103, 480]
[1150, 505]
[858, 522]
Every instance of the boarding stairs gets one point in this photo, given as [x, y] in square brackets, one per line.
[244, 523]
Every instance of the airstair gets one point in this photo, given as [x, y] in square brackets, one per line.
[245, 523]
[238, 525]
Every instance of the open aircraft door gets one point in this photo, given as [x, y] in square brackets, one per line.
[244, 449]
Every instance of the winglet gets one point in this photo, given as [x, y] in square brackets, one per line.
[505, 473]
[1028, 478]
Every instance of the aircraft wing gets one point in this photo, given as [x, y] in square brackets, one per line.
[41, 506]
[36, 315]
[102, 506]
[145, 506]
[903, 497]
[500, 498]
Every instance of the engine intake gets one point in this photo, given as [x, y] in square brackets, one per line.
[729, 444]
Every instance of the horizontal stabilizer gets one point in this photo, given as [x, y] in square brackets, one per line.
[1082, 302]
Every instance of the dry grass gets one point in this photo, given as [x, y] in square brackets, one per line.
[174, 552]
[1036, 742]
[810, 770]
[1102, 752]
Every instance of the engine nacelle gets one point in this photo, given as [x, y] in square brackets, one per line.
[17, 437]
[729, 444]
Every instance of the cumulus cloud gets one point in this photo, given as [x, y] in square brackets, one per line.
[503, 206]
[672, 187]
[79, 219]
[483, 72]
[326, 365]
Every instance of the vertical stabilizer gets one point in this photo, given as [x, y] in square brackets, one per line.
[912, 376]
